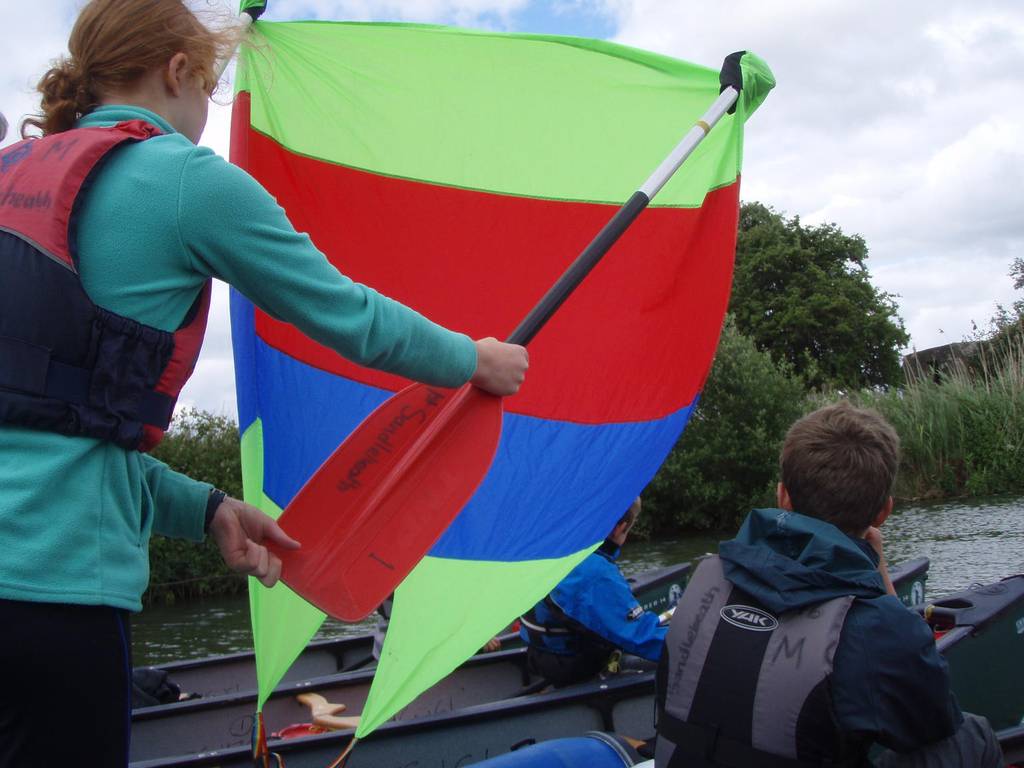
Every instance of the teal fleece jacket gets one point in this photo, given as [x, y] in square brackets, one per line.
[160, 218]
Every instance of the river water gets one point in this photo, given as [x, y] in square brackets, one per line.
[974, 542]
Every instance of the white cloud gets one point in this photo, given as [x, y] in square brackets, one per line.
[900, 122]
[463, 12]
[897, 121]
[212, 386]
[31, 36]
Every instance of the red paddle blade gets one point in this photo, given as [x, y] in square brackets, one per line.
[382, 499]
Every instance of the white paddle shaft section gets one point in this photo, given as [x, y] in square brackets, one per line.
[618, 224]
[689, 142]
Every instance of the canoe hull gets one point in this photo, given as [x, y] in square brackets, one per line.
[984, 625]
[226, 721]
[460, 721]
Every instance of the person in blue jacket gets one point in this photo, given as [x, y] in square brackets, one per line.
[790, 649]
[572, 633]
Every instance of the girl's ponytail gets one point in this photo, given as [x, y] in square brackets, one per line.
[66, 97]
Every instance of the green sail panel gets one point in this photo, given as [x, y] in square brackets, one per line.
[554, 118]
[283, 623]
[530, 115]
[420, 649]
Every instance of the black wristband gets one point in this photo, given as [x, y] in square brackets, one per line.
[216, 497]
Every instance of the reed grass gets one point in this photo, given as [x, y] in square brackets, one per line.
[962, 434]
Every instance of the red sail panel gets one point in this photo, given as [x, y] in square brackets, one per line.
[479, 268]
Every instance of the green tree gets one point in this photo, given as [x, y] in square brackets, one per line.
[804, 295]
[726, 462]
[1017, 273]
[205, 447]
[1009, 323]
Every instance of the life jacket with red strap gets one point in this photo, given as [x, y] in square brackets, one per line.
[66, 364]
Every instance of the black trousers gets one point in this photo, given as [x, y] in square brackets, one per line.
[562, 670]
[65, 685]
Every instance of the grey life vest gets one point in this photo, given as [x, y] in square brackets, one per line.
[741, 687]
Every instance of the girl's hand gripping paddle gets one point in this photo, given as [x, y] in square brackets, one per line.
[382, 499]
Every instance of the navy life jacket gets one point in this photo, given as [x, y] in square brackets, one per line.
[581, 655]
[560, 648]
[555, 631]
[739, 686]
[67, 365]
[562, 634]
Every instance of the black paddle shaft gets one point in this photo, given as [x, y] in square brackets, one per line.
[625, 216]
[578, 270]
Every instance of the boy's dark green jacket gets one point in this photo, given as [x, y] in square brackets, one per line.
[889, 683]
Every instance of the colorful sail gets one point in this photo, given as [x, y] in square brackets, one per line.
[460, 172]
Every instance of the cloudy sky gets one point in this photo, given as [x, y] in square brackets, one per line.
[902, 122]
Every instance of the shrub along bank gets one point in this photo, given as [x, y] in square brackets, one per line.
[203, 446]
[725, 463]
[964, 434]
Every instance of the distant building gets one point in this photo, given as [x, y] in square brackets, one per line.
[939, 362]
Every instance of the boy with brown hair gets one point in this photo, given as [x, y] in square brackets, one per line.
[789, 649]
